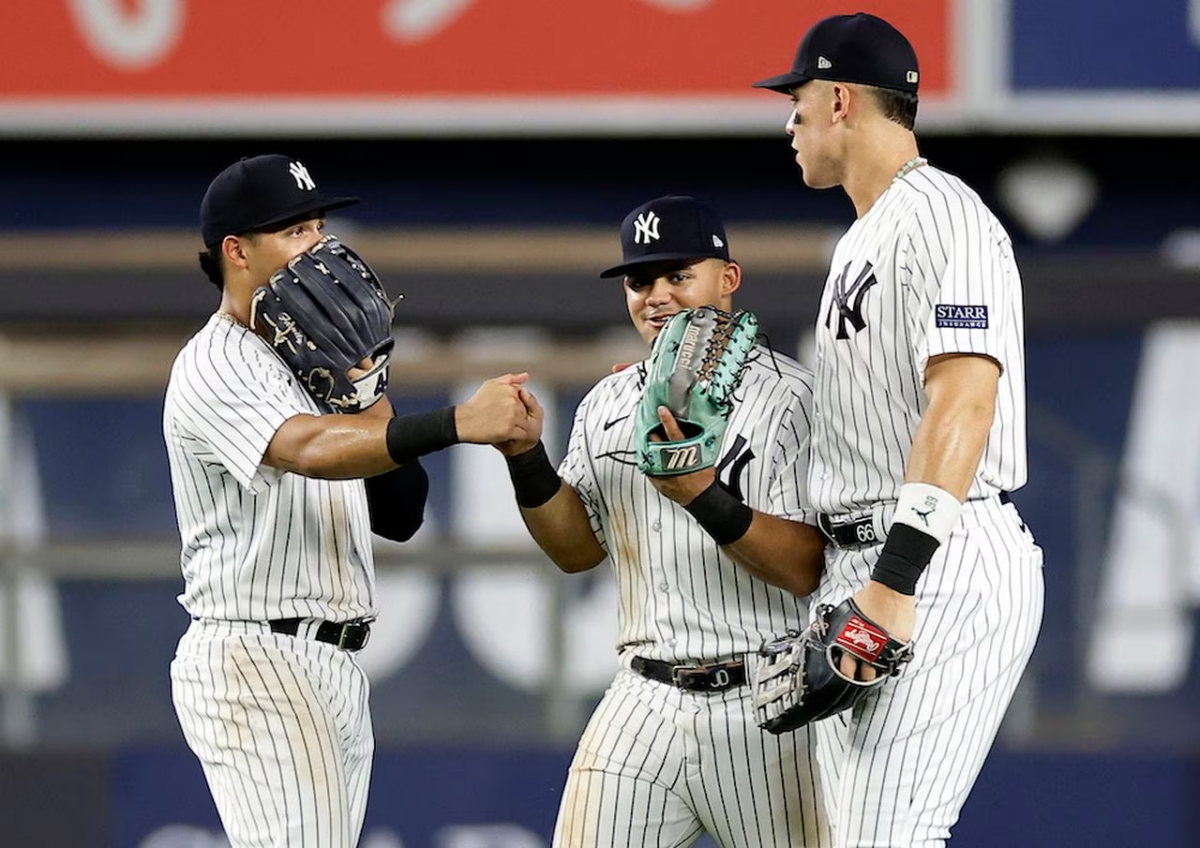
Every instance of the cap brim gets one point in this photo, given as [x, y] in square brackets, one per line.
[784, 83]
[653, 259]
[310, 209]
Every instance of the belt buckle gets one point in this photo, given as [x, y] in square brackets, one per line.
[712, 676]
[345, 634]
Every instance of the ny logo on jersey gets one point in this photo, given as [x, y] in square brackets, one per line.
[645, 228]
[736, 459]
[849, 300]
[300, 175]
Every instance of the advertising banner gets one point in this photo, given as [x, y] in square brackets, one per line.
[1120, 46]
[1079, 65]
[198, 66]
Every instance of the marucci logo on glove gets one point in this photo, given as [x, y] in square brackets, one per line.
[696, 364]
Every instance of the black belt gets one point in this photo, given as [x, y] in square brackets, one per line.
[849, 532]
[347, 635]
[693, 678]
[860, 532]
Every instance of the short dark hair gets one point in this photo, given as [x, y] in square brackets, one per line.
[896, 105]
[210, 264]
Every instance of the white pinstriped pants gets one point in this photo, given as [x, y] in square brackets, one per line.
[657, 767]
[282, 728]
[898, 767]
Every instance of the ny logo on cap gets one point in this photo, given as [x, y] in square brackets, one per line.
[300, 174]
[645, 228]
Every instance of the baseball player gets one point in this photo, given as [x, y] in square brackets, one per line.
[918, 437]
[708, 565]
[276, 525]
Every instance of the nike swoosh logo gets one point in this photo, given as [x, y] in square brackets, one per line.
[609, 424]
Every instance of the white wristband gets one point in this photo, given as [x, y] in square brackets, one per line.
[927, 508]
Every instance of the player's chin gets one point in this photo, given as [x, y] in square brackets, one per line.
[812, 179]
[649, 331]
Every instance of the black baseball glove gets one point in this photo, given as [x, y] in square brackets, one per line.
[324, 314]
[796, 679]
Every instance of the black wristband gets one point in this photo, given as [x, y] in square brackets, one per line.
[414, 435]
[535, 481]
[723, 516]
[904, 556]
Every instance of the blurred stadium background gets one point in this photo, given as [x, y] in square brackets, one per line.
[497, 144]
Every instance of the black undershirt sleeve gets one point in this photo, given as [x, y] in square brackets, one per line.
[397, 501]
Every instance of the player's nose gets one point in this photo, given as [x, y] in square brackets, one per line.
[660, 292]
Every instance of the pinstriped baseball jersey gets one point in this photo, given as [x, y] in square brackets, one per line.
[927, 270]
[280, 724]
[656, 766]
[681, 598]
[258, 543]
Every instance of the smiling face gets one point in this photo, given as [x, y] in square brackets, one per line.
[655, 292]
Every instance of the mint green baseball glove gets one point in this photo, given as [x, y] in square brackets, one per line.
[696, 364]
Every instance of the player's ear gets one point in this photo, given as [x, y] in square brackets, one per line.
[839, 103]
[234, 251]
[731, 278]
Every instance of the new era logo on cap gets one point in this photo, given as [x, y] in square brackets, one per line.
[823, 63]
[667, 229]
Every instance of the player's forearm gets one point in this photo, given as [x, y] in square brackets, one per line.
[949, 444]
[784, 553]
[563, 531]
[331, 447]
[953, 431]
[787, 554]
[947, 447]
[342, 447]
[946, 451]
[552, 510]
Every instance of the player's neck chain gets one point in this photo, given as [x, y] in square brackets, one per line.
[909, 166]
[228, 316]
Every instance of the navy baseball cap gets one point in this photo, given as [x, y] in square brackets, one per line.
[260, 192]
[857, 48]
[668, 228]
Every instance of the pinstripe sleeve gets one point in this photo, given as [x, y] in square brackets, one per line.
[963, 275]
[788, 490]
[232, 398]
[577, 469]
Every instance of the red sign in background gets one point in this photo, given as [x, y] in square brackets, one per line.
[146, 50]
